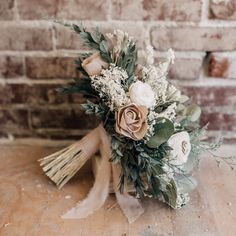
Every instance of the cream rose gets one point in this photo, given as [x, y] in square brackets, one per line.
[131, 121]
[180, 143]
[142, 94]
[94, 64]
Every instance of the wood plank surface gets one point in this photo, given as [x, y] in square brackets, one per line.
[31, 205]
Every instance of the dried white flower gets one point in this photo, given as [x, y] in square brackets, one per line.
[157, 80]
[173, 94]
[171, 56]
[109, 86]
[149, 55]
[118, 40]
[182, 199]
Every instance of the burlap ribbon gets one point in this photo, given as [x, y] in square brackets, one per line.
[130, 206]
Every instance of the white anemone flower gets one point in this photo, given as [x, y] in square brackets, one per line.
[142, 94]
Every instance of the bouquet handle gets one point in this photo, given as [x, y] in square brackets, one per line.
[71, 159]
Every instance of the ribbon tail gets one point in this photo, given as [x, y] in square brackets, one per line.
[130, 206]
[100, 190]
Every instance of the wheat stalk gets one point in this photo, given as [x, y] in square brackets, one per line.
[61, 166]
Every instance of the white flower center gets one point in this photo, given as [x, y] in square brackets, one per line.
[184, 147]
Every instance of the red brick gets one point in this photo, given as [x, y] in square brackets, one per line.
[65, 118]
[225, 10]
[219, 121]
[22, 37]
[14, 93]
[46, 94]
[212, 96]
[50, 67]
[222, 65]
[11, 66]
[178, 10]
[34, 9]
[6, 9]
[184, 68]
[14, 121]
[194, 38]
[37, 94]
[62, 9]
[83, 10]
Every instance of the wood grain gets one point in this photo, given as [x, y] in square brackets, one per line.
[32, 205]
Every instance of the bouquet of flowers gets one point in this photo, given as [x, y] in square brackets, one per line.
[149, 136]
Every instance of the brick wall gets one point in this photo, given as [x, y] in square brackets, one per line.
[36, 57]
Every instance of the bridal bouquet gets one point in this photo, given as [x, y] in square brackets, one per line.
[149, 136]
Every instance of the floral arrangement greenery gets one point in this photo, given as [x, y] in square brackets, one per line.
[154, 130]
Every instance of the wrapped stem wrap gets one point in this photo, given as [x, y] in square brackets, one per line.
[97, 140]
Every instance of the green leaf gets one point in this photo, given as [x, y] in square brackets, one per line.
[155, 185]
[183, 98]
[96, 36]
[91, 108]
[170, 195]
[193, 112]
[82, 86]
[103, 46]
[163, 131]
[114, 144]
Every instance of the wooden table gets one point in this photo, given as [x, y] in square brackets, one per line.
[30, 205]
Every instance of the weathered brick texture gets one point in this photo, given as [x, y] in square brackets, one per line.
[6, 10]
[14, 121]
[11, 66]
[36, 57]
[219, 121]
[65, 118]
[22, 37]
[50, 67]
[222, 65]
[211, 96]
[194, 38]
[186, 69]
[34, 9]
[73, 10]
[36, 94]
[178, 10]
[225, 10]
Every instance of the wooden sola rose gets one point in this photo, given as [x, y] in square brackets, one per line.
[149, 138]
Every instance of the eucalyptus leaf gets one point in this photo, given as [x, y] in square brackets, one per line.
[164, 128]
[103, 46]
[180, 107]
[170, 195]
[193, 112]
[183, 99]
[114, 144]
